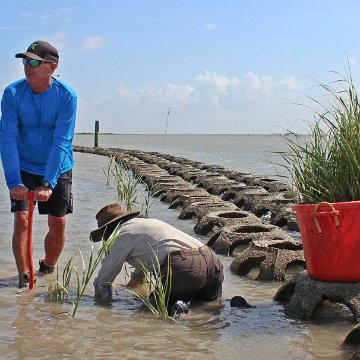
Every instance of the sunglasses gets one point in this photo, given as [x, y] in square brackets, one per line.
[34, 63]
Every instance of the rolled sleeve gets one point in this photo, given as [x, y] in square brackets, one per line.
[111, 265]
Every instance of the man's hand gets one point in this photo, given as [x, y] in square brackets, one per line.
[19, 193]
[42, 193]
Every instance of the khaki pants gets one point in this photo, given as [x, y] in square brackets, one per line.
[197, 274]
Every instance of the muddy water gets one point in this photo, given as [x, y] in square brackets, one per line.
[33, 327]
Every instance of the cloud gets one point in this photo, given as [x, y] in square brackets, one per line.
[179, 95]
[211, 103]
[55, 15]
[16, 72]
[59, 40]
[92, 43]
[211, 26]
[352, 60]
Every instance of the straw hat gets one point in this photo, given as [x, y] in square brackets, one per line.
[108, 218]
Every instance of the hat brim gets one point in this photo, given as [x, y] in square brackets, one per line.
[29, 55]
[98, 234]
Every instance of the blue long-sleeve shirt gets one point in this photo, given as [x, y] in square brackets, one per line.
[36, 131]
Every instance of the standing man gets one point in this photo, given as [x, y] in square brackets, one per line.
[196, 271]
[36, 134]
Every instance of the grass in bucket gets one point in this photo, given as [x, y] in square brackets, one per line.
[325, 166]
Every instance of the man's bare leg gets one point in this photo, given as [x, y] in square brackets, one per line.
[55, 239]
[19, 241]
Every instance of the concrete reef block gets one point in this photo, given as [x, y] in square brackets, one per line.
[272, 261]
[191, 175]
[163, 163]
[285, 218]
[231, 193]
[172, 194]
[242, 192]
[217, 185]
[186, 199]
[251, 230]
[161, 188]
[260, 202]
[353, 337]
[141, 168]
[186, 172]
[202, 177]
[157, 176]
[231, 174]
[103, 151]
[212, 168]
[225, 218]
[270, 185]
[177, 169]
[272, 203]
[164, 179]
[125, 160]
[201, 208]
[85, 149]
[208, 179]
[241, 177]
[303, 296]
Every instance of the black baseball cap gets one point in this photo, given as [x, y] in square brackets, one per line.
[40, 50]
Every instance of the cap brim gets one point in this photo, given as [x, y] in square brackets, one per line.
[98, 234]
[29, 55]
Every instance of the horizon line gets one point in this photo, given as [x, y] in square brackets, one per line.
[227, 134]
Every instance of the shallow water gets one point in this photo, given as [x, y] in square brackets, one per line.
[32, 326]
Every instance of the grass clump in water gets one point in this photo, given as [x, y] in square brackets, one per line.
[160, 289]
[60, 291]
[128, 186]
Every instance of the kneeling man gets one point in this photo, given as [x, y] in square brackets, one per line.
[197, 273]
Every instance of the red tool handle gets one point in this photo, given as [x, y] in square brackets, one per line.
[29, 238]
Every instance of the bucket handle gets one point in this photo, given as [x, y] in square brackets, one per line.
[333, 213]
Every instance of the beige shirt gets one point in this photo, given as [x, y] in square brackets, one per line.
[140, 243]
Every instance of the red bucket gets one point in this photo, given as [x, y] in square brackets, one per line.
[330, 236]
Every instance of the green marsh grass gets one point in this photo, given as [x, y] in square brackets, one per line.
[325, 166]
[160, 289]
[61, 291]
[128, 187]
[108, 170]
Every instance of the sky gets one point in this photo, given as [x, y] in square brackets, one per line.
[189, 66]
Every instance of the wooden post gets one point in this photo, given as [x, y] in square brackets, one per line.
[96, 140]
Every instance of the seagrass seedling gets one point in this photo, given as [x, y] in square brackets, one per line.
[128, 187]
[159, 286]
[61, 291]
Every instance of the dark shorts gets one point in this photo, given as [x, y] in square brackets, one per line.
[60, 202]
[197, 274]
